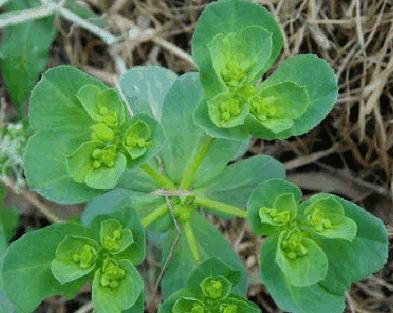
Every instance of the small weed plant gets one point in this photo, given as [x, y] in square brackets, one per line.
[155, 155]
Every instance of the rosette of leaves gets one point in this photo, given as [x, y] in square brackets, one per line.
[193, 172]
[209, 289]
[84, 136]
[61, 258]
[232, 56]
[314, 249]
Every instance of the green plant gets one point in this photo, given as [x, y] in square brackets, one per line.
[160, 151]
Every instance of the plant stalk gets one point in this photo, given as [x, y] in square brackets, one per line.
[190, 237]
[164, 181]
[220, 207]
[155, 215]
[195, 163]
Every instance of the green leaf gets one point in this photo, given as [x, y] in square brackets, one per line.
[62, 125]
[114, 237]
[53, 180]
[184, 138]
[211, 243]
[238, 14]
[9, 219]
[318, 78]
[326, 217]
[27, 278]
[129, 222]
[240, 57]
[204, 278]
[144, 138]
[239, 305]
[310, 299]
[264, 196]
[5, 304]
[275, 108]
[283, 212]
[301, 260]
[364, 255]
[96, 166]
[24, 50]
[75, 257]
[187, 305]
[203, 119]
[54, 105]
[236, 182]
[226, 110]
[116, 287]
[145, 88]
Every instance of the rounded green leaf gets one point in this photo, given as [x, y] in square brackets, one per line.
[262, 201]
[202, 118]
[364, 255]
[240, 57]
[300, 259]
[238, 180]
[238, 14]
[114, 237]
[275, 108]
[326, 217]
[145, 88]
[310, 299]
[53, 103]
[75, 258]
[184, 138]
[117, 208]
[143, 138]
[318, 78]
[47, 152]
[27, 277]
[188, 305]
[116, 286]
[234, 304]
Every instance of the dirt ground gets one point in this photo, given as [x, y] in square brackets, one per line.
[350, 153]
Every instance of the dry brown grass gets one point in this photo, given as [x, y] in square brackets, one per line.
[350, 153]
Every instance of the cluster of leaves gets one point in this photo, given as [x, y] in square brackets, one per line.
[103, 252]
[314, 249]
[159, 151]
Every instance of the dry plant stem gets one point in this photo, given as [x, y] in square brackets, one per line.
[85, 308]
[32, 199]
[22, 16]
[168, 258]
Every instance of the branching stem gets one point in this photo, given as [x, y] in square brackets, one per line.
[190, 237]
[164, 181]
[195, 163]
[155, 215]
[220, 207]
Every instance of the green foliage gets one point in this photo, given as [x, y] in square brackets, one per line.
[209, 289]
[317, 235]
[84, 136]
[104, 253]
[24, 51]
[233, 55]
[163, 151]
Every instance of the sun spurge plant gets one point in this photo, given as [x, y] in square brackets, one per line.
[163, 151]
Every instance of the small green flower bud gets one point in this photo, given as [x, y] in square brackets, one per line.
[230, 108]
[102, 132]
[197, 309]
[107, 116]
[232, 73]
[216, 287]
[111, 274]
[103, 157]
[231, 308]
[319, 221]
[263, 108]
[85, 257]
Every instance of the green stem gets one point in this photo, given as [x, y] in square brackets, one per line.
[193, 166]
[164, 181]
[155, 215]
[192, 242]
[220, 207]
